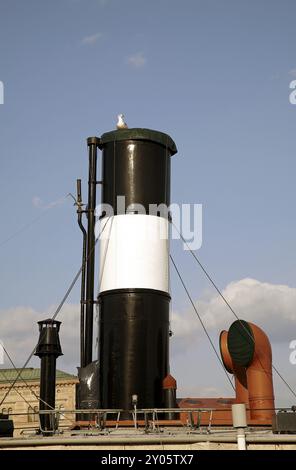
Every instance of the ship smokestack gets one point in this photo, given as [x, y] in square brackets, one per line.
[48, 349]
[134, 294]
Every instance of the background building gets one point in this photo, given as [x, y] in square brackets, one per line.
[22, 403]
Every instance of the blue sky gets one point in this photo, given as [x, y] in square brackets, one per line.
[213, 74]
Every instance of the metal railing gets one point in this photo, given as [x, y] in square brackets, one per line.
[151, 419]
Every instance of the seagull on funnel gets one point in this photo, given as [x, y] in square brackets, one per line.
[121, 124]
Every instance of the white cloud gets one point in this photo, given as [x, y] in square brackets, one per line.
[19, 334]
[92, 39]
[270, 306]
[39, 204]
[137, 60]
[101, 3]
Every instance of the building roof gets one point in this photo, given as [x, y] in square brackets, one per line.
[30, 374]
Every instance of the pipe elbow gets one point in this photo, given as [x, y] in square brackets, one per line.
[262, 353]
[249, 347]
[259, 374]
[224, 351]
[239, 372]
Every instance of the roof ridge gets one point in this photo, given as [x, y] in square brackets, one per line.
[30, 373]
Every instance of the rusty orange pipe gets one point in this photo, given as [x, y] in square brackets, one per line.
[239, 372]
[246, 345]
[259, 377]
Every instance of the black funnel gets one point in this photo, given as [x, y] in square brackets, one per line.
[48, 349]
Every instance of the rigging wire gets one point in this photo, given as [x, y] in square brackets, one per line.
[19, 372]
[103, 262]
[33, 221]
[229, 306]
[200, 319]
[28, 386]
[17, 391]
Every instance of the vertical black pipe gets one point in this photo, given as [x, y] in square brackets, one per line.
[82, 292]
[170, 401]
[48, 349]
[93, 143]
[47, 392]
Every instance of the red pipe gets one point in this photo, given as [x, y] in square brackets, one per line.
[259, 377]
[239, 372]
[253, 380]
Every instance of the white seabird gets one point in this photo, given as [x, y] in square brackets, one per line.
[121, 124]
